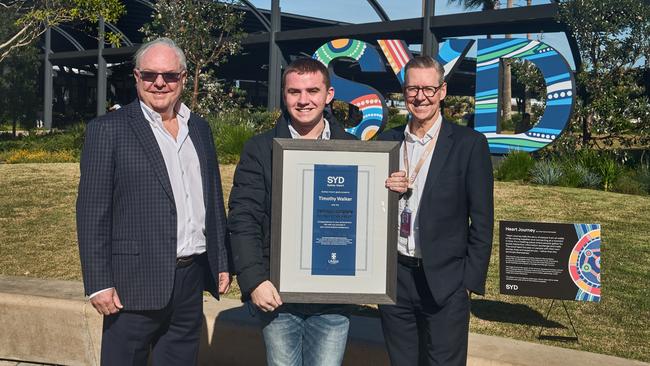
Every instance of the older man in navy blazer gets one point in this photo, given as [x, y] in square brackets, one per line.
[150, 218]
[445, 231]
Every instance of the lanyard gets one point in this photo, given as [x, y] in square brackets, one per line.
[430, 146]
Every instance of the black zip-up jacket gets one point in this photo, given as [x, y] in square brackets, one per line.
[249, 215]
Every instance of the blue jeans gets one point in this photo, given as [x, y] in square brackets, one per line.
[306, 334]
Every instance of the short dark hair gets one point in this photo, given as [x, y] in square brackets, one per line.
[307, 65]
[425, 62]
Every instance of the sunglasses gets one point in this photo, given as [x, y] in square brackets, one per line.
[169, 77]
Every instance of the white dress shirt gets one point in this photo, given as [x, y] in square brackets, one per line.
[415, 147]
[325, 135]
[184, 172]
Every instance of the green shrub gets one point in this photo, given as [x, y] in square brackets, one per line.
[231, 131]
[340, 110]
[508, 125]
[70, 139]
[609, 171]
[546, 172]
[230, 140]
[8, 126]
[515, 166]
[591, 180]
[13, 144]
[572, 174]
[395, 121]
[264, 120]
[260, 120]
[627, 182]
[576, 175]
[600, 163]
[39, 156]
[515, 118]
[392, 111]
[588, 158]
[643, 176]
[456, 108]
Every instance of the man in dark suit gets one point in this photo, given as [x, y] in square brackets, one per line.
[445, 231]
[150, 218]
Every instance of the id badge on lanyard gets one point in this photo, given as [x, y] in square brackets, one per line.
[407, 206]
[405, 222]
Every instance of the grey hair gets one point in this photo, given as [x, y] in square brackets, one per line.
[160, 41]
[426, 62]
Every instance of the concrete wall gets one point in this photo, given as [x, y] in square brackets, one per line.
[48, 321]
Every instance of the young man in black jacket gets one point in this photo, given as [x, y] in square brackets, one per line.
[294, 334]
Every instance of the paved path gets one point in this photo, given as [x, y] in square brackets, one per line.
[14, 363]
[22, 301]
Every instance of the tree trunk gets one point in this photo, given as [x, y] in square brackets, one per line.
[195, 91]
[14, 126]
[527, 104]
[528, 3]
[506, 95]
[586, 133]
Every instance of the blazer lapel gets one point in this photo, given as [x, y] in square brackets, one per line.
[282, 127]
[199, 146]
[440, 154]
[398, 135]
[151, 149]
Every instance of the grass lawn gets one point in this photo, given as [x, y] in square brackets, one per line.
[37, 238]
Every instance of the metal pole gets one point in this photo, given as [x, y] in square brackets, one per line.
[429, 41]
[47, 82]
[101, 71]
[275, 62]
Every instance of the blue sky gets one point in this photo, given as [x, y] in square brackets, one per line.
[359, 11]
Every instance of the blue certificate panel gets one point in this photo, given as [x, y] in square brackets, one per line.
[335, 220]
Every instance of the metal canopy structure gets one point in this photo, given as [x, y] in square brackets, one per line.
[274, 38]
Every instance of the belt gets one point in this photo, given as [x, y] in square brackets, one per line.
[182, 262]
[411, 262]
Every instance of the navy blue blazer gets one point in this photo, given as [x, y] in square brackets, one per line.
[126, 215]
[456, 211]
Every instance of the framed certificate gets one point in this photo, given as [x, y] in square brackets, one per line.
[334, 224]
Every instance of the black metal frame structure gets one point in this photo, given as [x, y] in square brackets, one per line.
[286, 36]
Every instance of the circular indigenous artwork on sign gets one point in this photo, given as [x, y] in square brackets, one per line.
[584, 266]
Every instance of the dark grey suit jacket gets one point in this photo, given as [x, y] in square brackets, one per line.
[456, 211]
[126, 215]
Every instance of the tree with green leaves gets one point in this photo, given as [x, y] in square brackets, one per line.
[31, 18]
[19, 87]
[613, 37]
[531, 80]
[208, 32]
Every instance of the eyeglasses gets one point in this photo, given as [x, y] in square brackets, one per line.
[169, 77]
[428, 91]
